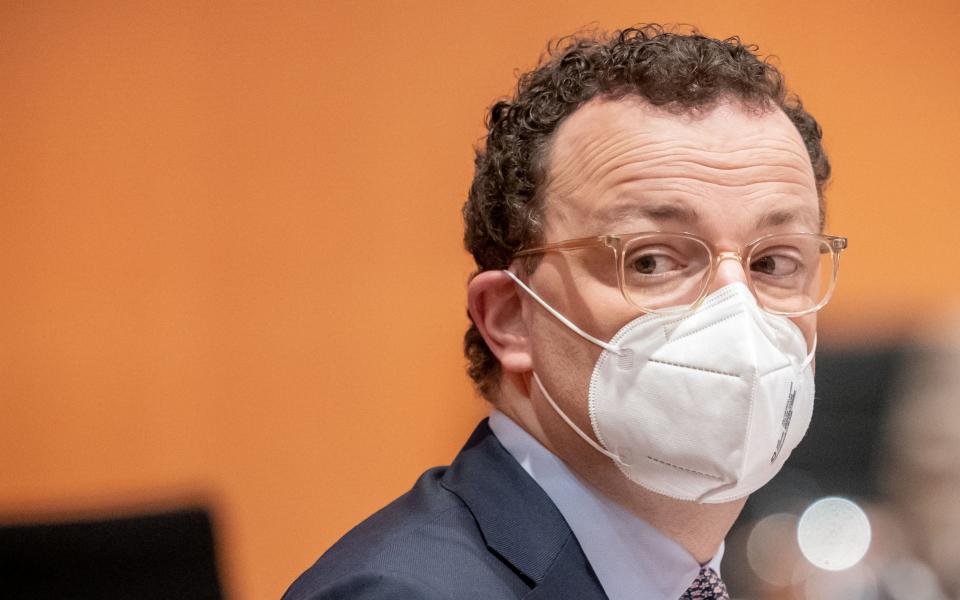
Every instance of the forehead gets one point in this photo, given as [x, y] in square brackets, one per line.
[618, 165]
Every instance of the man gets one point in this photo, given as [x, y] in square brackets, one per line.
[646, 218]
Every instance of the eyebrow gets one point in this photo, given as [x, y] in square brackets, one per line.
[655, 211]
[781, 217]
[685, 214]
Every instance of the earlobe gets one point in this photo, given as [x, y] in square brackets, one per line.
[495, 308]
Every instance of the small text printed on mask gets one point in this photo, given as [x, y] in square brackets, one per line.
[787, 416]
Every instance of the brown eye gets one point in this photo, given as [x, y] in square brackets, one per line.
[653, 264]
[775, 265]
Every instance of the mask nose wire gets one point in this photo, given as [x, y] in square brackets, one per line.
[605, 345]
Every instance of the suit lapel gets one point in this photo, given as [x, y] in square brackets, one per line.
[518, 520]
[570, 576]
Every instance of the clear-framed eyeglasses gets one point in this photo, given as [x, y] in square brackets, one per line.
[790, 274]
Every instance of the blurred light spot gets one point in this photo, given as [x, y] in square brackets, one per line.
[910, 579]
[857, 583]
[833, 533]
[771, 551]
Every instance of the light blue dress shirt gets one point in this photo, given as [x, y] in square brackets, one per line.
[632, 560]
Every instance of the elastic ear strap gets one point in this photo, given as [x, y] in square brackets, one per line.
[573, 425]
[809, 359]
[605, 345]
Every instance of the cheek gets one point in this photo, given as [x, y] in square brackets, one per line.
[808, 325]
[561, 353]
[563, 360]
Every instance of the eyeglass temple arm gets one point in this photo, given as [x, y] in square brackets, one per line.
[605, 345]
[568, 245]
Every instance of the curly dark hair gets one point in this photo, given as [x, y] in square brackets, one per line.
[680, 72]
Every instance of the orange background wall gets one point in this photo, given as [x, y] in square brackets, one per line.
[230, 263]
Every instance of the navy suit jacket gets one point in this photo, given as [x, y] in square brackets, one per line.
[481, 529]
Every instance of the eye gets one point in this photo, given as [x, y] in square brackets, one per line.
[653, 263]
[776, 265]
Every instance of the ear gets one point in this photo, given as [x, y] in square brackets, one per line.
[494, 303]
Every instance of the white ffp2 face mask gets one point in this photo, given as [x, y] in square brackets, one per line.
[704, 405]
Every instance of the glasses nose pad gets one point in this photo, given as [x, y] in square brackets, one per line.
[729, 270]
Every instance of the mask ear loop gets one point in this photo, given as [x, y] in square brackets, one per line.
[605, 345]
[809, 359]
[573, 425]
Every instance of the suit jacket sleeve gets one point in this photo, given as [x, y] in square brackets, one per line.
[367, 585]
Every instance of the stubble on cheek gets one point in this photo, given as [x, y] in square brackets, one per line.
[564, 363]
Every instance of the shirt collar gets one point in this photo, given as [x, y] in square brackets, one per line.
[627, 554]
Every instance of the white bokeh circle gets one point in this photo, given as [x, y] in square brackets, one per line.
[834, 533]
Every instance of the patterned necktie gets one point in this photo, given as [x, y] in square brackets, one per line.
[707, 586]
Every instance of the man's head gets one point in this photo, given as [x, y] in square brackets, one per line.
[533, 186]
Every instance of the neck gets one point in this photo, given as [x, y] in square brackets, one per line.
[698, 528]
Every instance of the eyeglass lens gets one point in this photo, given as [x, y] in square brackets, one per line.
[788, 273]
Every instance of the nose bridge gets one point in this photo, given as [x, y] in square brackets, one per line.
[726, 272]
